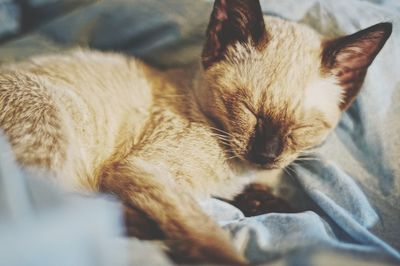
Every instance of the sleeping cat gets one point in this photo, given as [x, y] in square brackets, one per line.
[264, 93]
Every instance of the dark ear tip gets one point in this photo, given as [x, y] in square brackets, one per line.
[386, 27]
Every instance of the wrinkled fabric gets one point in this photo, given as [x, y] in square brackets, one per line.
[346, 194]
[9, 18]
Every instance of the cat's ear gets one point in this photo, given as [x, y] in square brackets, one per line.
[349, 57]
[233, 21]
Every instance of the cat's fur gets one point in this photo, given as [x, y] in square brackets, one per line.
[106, 122]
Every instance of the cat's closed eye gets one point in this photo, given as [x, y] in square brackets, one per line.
[249, 109]
[305, 136]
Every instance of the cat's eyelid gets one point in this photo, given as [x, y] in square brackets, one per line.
[250, 109]
[302, 126]
[310, 125]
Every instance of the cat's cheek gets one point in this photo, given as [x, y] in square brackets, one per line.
[237, 149]
[286, 159]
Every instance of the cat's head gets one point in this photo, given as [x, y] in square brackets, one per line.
[277, 88]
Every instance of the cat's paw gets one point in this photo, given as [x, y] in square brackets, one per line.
[257, 199]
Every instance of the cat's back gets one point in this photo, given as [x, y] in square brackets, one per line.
[75, 105]
[92, 75]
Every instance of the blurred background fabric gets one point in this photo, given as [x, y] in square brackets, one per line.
[9, 18]
[164, 33]
[346, 196]
[41, 225]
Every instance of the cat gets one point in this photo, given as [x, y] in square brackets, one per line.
[266, 90]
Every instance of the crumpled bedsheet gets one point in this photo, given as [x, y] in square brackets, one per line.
[346, 194]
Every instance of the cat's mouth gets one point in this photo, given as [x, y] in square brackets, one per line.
[275, 164]
[251, 165]
[245, 152]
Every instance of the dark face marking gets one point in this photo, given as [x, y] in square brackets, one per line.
[266, 144]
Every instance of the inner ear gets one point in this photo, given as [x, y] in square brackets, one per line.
[233, 21]
[349, 57]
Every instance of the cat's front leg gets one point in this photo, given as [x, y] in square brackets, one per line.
[191, 235]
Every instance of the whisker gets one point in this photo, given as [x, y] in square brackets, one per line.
[293, 172]
[225, 143]
[218, 129]
[309, 159]
[232, 157]
[224, 140]
[222, 131]
[221, 136]
[288, 170]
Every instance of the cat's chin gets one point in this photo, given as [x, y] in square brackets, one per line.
[268, 167]
[272, 166]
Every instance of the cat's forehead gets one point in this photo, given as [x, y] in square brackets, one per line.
[291, 56]
[273, 74]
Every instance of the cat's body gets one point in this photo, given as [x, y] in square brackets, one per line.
[72, 117]
[85, 118]
[105, 122]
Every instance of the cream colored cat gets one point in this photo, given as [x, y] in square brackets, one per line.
[105, 122]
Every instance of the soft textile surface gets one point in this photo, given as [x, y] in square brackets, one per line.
[346, 195]
[39, 225]
[9, 18]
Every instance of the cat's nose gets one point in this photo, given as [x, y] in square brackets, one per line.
[265, 153]
[262, 158]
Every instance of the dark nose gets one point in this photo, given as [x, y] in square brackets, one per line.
[264, 152]
[266, 144]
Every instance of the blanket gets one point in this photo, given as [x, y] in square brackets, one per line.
[345, 195]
